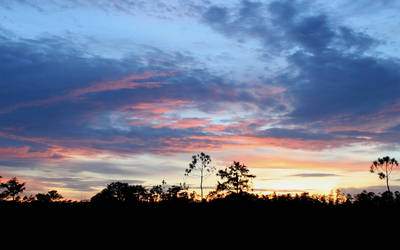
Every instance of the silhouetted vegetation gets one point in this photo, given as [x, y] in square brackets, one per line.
[236, 178]
[51, 196]
[232, 193]
[12, 188]
[200, 162]
[384, 167]
[123, 195]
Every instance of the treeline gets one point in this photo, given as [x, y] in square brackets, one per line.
[11, 189]
[234, 188]
[119, 194]
[123, 194]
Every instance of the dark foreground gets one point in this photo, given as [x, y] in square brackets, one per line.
[245, 218]
[245, 206]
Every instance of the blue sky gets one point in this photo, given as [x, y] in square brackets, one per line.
[306, 93]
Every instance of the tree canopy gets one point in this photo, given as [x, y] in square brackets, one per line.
[200, 162]
[235, 178]
[384, 167]
[12, 188]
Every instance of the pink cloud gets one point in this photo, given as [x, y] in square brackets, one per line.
[25, 153]
[188, 123]
[215, 128]
[191, 123]
[228, 142]
[160, 106]
[57, 149]
[124, 83]
[107, 85]
[155, 114]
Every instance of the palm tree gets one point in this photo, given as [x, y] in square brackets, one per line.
[384, 167]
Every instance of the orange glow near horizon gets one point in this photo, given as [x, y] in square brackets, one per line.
[272, 175]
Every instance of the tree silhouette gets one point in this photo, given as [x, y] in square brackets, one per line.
[51, 196]
[114, 191]
[236, 178]
[157, 191]
[175, 192]
[136, 193]
[12, 188]
[121, 192]
[200, 162]
[54, 195]
[43, 198]
[2, 194]
[384, 167]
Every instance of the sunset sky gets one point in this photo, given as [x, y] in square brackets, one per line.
[304, 93]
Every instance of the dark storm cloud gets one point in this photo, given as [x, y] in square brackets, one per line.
[332, 84]
[34, 69]
[330, 73]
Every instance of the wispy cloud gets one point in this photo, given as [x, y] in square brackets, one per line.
[314, 175]
[108, 85]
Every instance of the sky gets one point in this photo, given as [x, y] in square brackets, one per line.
[305, 93]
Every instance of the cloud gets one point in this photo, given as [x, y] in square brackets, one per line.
[296, 133]
[58, 101]
[283, 190]
[306, 175]
[308, 82]
[367, 7]
[334, 84]
[243, 22]
[157, 8]
[332, 77]
[28, 154]
[81, 184]
[186, 123]
[108, 85]
[374, 189]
